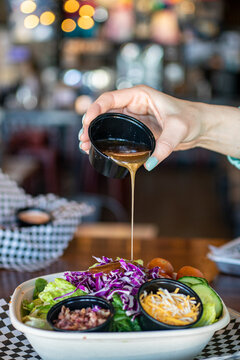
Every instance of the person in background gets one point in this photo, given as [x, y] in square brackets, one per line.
[176, 124]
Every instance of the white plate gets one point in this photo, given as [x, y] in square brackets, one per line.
[227, 257]
[145, 345]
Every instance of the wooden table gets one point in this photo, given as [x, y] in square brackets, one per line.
[179, 251]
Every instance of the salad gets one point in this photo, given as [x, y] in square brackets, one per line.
[118, 281]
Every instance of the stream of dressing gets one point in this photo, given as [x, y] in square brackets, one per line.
[131, 156]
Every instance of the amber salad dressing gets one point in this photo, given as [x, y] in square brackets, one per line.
[130, 155]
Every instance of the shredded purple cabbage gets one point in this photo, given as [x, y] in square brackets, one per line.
[125, 282]
[154, 273]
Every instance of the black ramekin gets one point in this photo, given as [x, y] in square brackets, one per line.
[79, 302]
[116, 126]
[147, 322]
[23, 223]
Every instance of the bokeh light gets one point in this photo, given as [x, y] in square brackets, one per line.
[100, 79]
[31, 21]
[43, 33]
[26, 98]
[86, 10]
[72, 77]
[187, 7]
[130, 51]
[164, 27]
[71, 6]
[28, 6]
[123, 83]
[101, 14]
[68, 25]
[85, 22]
[47, 18]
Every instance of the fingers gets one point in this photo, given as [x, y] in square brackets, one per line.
[134, 99]
[84, 147]
[106, 102]
[174, 132]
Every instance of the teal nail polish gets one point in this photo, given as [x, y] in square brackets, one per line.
[83, 117]
[81, 150]
[80, 133]
[151, 163]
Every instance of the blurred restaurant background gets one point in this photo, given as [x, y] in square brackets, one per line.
[58, 56]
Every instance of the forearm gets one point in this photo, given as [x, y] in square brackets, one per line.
[220, 129]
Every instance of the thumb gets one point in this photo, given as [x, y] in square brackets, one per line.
[171, 136]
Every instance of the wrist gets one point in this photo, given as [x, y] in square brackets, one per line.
[209, 125]
[220, 129]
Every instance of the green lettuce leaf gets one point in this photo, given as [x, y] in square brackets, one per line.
[35, 311]
[57, 288]
[122, 322]
[30, 306]
[37, 322]
[39, 287]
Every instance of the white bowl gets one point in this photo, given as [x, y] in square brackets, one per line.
[145, 345]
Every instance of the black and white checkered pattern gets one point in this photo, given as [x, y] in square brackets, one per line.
[35, 247]
[225, 342]
[14, 345]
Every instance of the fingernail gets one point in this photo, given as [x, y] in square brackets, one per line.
[80, 133]
[83, 117]
[82, 151]
[151, 163]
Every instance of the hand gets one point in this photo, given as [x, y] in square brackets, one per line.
[176, 124]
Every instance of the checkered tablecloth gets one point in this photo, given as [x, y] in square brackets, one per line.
[14, 345]
[35, 247]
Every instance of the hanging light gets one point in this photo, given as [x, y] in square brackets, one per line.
[31, 21]
[68, 25]
[47, 18]
[28, 6]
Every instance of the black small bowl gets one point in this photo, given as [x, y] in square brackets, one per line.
[147, 322]
[79, 302]
[24, 218]
[116, 126]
